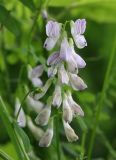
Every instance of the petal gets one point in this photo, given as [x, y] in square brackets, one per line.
[76, 82]
[34, 105]
[37, 71]
[80, 61]
[57, 97]
[37, 82]
[43, 117]
[50, 43]
[53, 59]
[70, 134]
[62, 75]
[53, 29]
[67, 112]
[80, 41]
[52, 71]
[46, 139]
[80, 26]
[36, 131]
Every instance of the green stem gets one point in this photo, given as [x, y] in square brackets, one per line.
[57, 138]
[100, 103]
[83, 145]
[4, 156]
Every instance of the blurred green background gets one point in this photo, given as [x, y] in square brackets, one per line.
[22, 34]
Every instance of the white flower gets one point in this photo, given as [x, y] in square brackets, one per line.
[77, 30]
[53, 32]
[34, 105]
[36, 131]
[43, 117]
[70, 134]
[21, 120]
[57, 97]
[76, 82]
[62, 75]
[67, 111]
[46, 139]
[76, 109]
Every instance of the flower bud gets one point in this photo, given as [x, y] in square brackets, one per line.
[44, 14]
[53, 29]
[36, 131]
[21, 120]
[57, 97]
[70, 134]
[67, 112]
[43, 117]
[37, 71]
[46, 139]
[62, 75]
[76, 82]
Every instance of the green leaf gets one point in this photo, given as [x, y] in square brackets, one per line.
[9, 21]
[23, 136]
[58, 3]
[29, 3]
[4, 155]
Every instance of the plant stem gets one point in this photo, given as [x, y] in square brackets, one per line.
[83, 145]
[100, 103]
[5, 156]
[57, 137]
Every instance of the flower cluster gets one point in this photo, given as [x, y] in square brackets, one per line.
[64, 67]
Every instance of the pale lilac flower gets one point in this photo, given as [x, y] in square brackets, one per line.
[34, 105]
[36, 131]
[76, 109]
[57, 97]
[70, 134]
[67, 111]
[68, 54]
[76, 82]
[46, 139]
[77, 30]
[43, 117]
[21, 120]
[53, 32]
[62, 75]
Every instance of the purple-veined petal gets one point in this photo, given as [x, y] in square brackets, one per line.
[57, 97]
[62, 75]
[80, 61]
[53, 29]
[80, 41]
[53, 59]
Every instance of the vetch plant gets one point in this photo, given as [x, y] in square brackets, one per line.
[63, 70]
